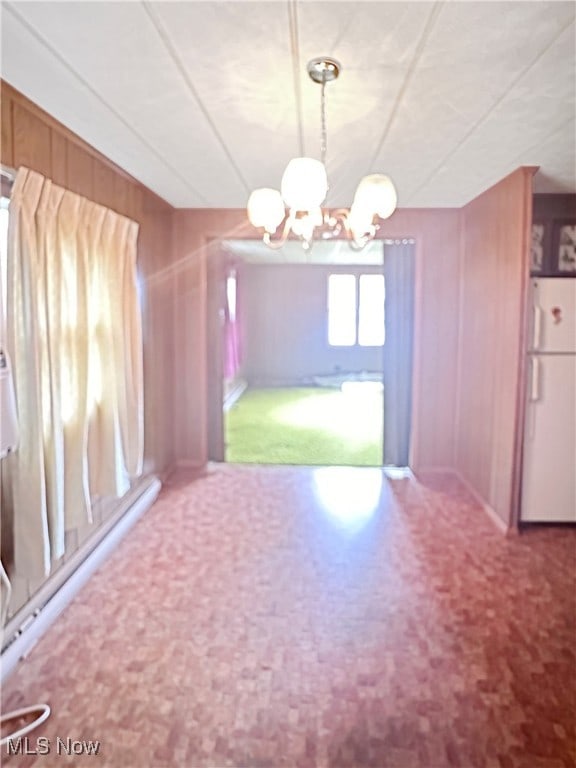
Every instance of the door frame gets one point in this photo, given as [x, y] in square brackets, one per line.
[216, 268]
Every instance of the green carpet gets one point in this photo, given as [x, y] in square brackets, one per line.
[309, 426]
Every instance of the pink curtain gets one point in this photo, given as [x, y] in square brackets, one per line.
[231, 333]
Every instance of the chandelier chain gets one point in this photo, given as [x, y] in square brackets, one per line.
[323, 140]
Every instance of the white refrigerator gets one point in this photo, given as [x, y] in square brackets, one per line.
[549, 451]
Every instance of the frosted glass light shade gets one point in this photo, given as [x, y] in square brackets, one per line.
[266, 209]
[304, 184]
[376, 194]
[360, 222]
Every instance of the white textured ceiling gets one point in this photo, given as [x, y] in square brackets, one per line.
[203, 101]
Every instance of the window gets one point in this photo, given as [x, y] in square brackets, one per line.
[371, 311]
[341, 310]
[356, 310]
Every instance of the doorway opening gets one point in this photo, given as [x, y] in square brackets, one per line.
[306, 425]
[302, 341]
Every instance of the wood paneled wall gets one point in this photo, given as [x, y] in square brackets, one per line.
[437, 235]
[494, 279]
[32, 138]
[197, 234]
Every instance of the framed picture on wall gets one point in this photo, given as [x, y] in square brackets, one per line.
[537, 248]
[564, 248]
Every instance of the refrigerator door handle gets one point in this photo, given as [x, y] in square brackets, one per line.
[535, 380]
[537, 332]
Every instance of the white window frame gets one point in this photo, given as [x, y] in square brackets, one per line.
[354, 339]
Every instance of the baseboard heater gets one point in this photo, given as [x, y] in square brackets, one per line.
[26, 627]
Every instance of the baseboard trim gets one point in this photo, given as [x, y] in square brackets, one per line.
[492, 514]
[494, 517]
[166, 473]
[43, 609]
[435, 470]
[190, 464]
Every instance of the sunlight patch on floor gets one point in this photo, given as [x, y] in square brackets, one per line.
[349, 496]
[355, 413]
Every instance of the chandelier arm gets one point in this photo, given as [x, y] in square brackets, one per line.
[342, 214]
[356, 244]
[323, 136]
[277, 244]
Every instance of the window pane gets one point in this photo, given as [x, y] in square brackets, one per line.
[341, 310]
[371, 331]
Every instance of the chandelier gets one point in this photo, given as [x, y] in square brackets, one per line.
[304, 188]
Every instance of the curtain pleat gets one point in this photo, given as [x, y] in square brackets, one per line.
[73, 320]
[133, 416]
[25, 468]
[49, 312]
[399, 270]
[113, 479]
[73, 361]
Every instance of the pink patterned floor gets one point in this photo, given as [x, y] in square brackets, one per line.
[315, 617]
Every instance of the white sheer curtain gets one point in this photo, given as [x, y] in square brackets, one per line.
[74, 335]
